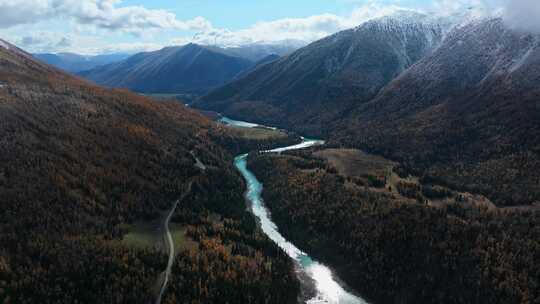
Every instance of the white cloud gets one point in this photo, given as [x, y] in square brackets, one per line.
[64, 43]
[127, 48]
[31, 40]
[90, 20]
[44, 41]
[470, 8]
[305, 29]
[105, 14]
[96, 26]
[523, 15]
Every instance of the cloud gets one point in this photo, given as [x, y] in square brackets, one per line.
[52, 42]
[96, 26]
[467, 8]
[20, 12]
[88, 18]
[126, 48]
[44, 41]
[64, 43]
[523, 15]
[105, 14]
[305, 29]
[30, 40]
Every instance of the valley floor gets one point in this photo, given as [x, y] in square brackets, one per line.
[399, 239]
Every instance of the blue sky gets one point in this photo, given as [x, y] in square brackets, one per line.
[105, 26]
[237, 14]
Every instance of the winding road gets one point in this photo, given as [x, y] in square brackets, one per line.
[170, 245]
[328, 288]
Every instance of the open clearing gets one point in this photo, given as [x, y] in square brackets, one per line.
[257, 133]
[355, 163]
[145, 235]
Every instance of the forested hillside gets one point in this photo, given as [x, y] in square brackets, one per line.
[467, 115]
[392, 249]
[80, 164]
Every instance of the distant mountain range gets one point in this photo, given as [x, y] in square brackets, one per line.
[457, 103]
[189, 69]
[258, 51]
[74, 63]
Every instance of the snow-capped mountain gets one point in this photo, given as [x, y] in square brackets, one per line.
[455, 99]
[332, 74]
[256, 52]
[468, 114]
[471, 57]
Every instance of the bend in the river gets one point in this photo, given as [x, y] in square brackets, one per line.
[328, 288]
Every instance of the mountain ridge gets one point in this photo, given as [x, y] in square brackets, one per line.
[188, 69]
[348, 67]
[464, 110]
[430, 111]
[74, 63]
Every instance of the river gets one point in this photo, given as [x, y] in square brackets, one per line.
[327, 287]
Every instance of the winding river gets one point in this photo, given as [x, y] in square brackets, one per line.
[327, 287]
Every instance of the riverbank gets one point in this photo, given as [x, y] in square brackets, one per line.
[327, 288]
[242, 137]
[394, 249]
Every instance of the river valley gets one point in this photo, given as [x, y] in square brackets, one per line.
[327, 286]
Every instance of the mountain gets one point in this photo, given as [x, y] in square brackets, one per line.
[87, 177]
[466, 115]
[192, 69]
[320, 82]
[266, 60]
[457, 105]
[75, 63]
[256, 52]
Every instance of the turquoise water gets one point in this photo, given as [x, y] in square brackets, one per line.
[328, 289]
